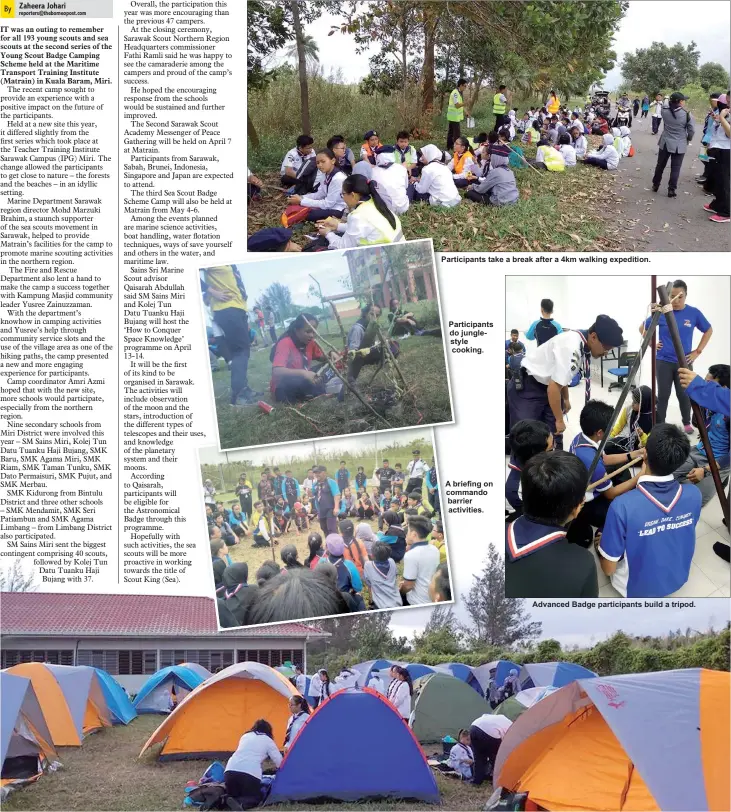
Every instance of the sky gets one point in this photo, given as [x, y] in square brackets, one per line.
[266, 456]
[707, 22]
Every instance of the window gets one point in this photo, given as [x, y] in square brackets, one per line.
[11, 657]
[210, 659]
[137, 662]
[96, 658]
[272, 657]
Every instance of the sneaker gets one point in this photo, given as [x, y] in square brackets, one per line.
[719, 218]
[722, 550]
[687, 428]
[248, 392]
[672, 193]
[655, 188]
[707, 207]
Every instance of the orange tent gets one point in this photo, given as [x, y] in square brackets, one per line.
[209, 721]
[70, 697]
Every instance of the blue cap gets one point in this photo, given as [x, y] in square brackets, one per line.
[387, 149]
[269, 239]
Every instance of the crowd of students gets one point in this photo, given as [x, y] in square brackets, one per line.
[347, 563]
[641, 521]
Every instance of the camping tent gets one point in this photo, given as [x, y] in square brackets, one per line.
[156, 695]
[501, 669]
[418, 670]
[464, 672]
[513, 706]
[383, 761]
[202, 672]
[121, 710]
[366, 669]
[638, 741]
[555, 674]
[443, 704]
[71, 698]
[25, 741]
[211, 719]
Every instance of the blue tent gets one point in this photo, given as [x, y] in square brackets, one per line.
[121, 709]
[500, 669]
[367, 668]
[417, 670]
[555, 674]
[386, 762]
[464, 672]
[156, 695]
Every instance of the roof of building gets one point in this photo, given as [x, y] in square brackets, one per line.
[50, 614]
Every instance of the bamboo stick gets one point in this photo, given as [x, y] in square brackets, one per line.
[637, 461]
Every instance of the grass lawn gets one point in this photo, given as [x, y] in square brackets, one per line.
[105, 774]
[421, 361]
[558, 211]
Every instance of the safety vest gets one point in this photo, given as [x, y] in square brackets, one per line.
[553, 160]
[498, 107]
[554, 106]
[455, 113]
[459, 161]
[368, 212]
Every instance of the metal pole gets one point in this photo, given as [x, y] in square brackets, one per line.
[322, 302]
[653, 353]
[697, 411]
[625, 390]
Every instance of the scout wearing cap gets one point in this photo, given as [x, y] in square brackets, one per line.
[371, 143]
[540, 392]
[415, 472]
[271, 240]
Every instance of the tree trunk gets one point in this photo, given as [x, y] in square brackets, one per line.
[251, 131]
[301, 66]
[431, 20]
[475, 95]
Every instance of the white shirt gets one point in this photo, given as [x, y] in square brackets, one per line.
[420, 564]
[401, 698]
[393, 181]
[569, 154]
[252, 751]
[357, 232]
[416, 469]
[294, 723]
[376, 683]
[301, 683]
[558, 359]
[495, 725]
[308, 484]
[346, 679]
[437, 181]
[292, 160]
[328, 195]
[656, 109]
[315, 685]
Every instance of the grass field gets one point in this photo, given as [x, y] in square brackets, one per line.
[422, 363]
[105, 774]
[557, 211]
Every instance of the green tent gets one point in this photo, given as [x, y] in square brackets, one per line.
[441, 705]
[510, 708]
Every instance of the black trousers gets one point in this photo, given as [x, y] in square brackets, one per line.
[374, 356]
[235, 325]
[532, 404]
[594, 514]
[666, 374]
[717, 182]
[244, 787]
[436, 501]
[328, 525]
[453, 133]
[676, 161]
[656, 124]
[414, 484]
[476, 197]
[499, 121]
[484, 749]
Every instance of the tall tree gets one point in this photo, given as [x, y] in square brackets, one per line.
[311, 48]
[277, 298]
[15, 579]
[301, 65]
[495, 619]
[441, 636]
[661, 67]
[712, 75]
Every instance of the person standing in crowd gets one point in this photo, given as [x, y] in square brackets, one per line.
[657, 106]
[209, 493]
[706, 136]
[315, 688]
[244, 492]
[415, 472]
[544, 328]
[343, 477]
[420, 562]
[300, 714]
[688, 319]
[223, 289]
[541, 390]
[499, 106]
[327, 500]
[300, 680]
[384, 475]
[375, 683]
[401, 695]
[432, 486]
[677, 133]
[645, 106]
[326, 687]
[717, 183]
[486, 735]
[242, 775]
[455, 112]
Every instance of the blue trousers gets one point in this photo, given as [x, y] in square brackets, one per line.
[532, 404]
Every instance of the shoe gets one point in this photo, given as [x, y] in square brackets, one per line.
[655, 188]
[707, 207]
[672, 193]
[719, 218]
[250, 393]
[687, 428]
[722, 550]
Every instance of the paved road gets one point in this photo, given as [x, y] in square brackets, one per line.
[652, 221]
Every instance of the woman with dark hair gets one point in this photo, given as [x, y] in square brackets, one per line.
[298, 593]
[314, 543]
[242, 776]
[462, 163]
[402, 693]
[633, 424]
[719, 148]
[325, 686]
[327, 201]
[402, 322]
[289, 558]
[370, 221]
[300, 713]
[393, 535]
[239, 594]
[266, 572]
[292, 358]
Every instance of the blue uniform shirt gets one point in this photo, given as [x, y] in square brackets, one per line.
[512, 487]
[710, 395]
[585, 449]
[650, 532]
[325, 494]
[687, 319]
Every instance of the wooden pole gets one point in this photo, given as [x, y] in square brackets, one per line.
[672, 326]
[637, 461]
[340, 325]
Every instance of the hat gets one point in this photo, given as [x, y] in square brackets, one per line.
[335, 544]
[608, 331]
[269, 239]
[370, 134]
[500, 149]
[415, 495]
[298, 505]
[416, 451]
[676, 97]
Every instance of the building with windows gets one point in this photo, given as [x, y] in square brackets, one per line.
[132, 636]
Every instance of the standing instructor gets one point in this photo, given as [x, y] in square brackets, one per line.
[500, 106]
[455, 112]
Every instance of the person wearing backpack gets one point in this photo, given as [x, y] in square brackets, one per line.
[349, 580]
[243, 773]
[678, 131]
[546, 327]
[355, 549]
